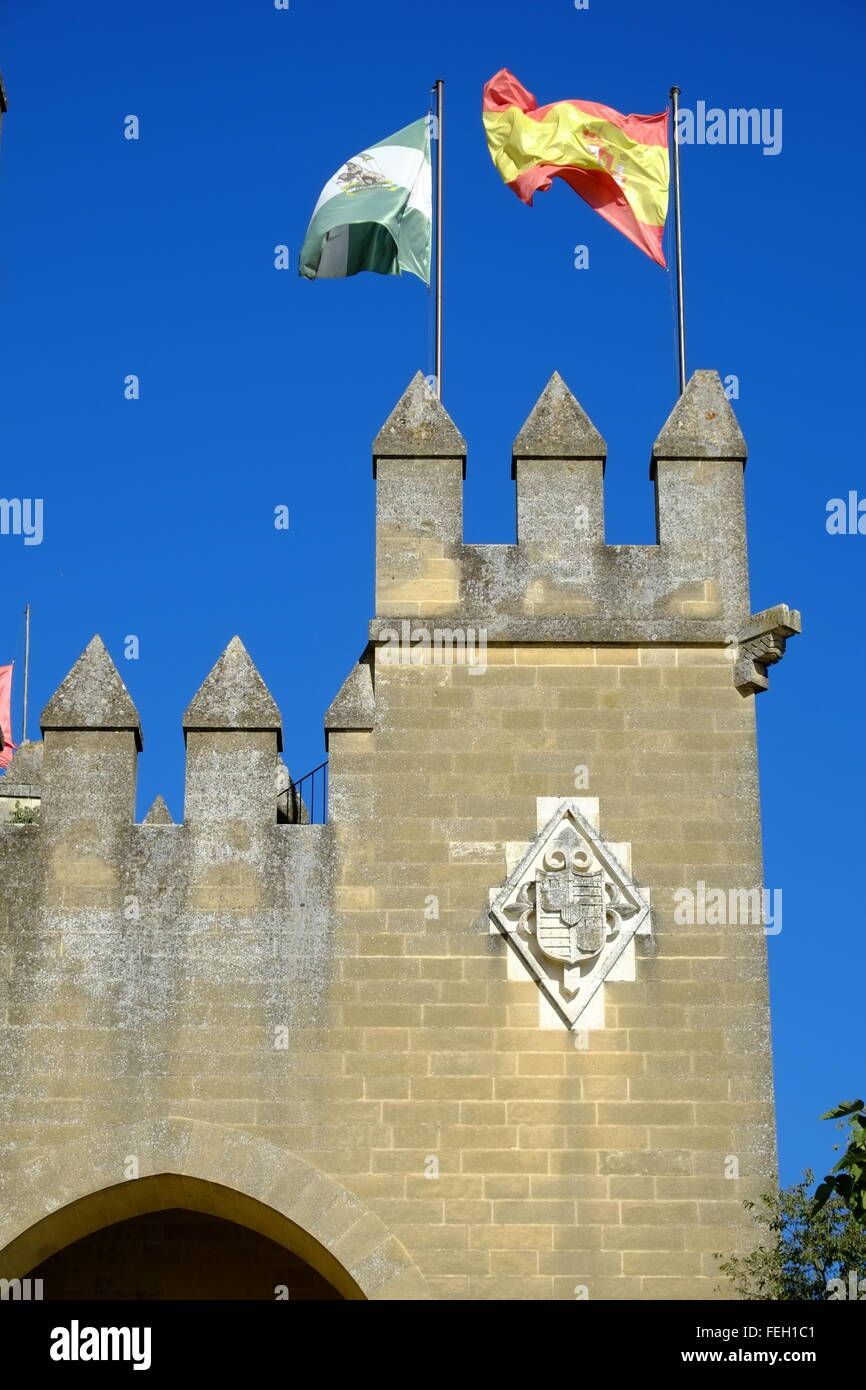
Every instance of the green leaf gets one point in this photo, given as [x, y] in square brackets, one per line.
[846, 1108]
[822, 1194]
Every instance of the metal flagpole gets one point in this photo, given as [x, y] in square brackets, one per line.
[678, 236]
[439, 89]
[26, 670]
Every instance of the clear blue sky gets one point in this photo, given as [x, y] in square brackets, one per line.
[258, 388]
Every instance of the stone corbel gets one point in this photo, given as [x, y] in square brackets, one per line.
[761, 643]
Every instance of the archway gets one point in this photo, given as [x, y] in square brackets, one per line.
[78, 1188]
[179, 1254]
[170, 1236]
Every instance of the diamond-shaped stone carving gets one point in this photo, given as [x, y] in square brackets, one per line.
[570, 910]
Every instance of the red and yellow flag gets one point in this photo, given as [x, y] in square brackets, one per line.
[618, 164]
[8, 747]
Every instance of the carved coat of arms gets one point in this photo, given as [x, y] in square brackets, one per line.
[570, 902]
[569, 909]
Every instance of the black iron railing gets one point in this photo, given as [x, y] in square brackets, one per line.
[305, 801]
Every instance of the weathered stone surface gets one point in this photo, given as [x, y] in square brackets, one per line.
[23, 776]
[312, 1027]
[158, 814]
[354, 705]
[558, 464]
[233, 696]
[419, 426]
[92, 696]
[702, 424]
[761, 643]
[780, 619]
[558, 427]
[419, 461]
[561, 573]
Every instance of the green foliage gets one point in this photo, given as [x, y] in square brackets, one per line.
[802, 1248]
[847, 1180]
[24, 815]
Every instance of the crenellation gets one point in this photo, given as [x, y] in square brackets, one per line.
[477, 964]
[92, 738]
[353, 709]
[21, 787]
[558, 462]
[159, 814]
[233, 734]
[691, 586]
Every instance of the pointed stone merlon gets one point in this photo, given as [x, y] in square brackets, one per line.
[558, 463]
[761, 643]
[419, 463]
[158, 814]
[21, 787]
[92, 740]
[348, 722]
[24, 774]
[233, 734]
[290, 805]
[353, 708]
[697, 464]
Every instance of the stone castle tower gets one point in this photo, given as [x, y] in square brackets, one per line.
[464, 1040]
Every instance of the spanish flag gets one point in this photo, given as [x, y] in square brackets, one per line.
[618, 164]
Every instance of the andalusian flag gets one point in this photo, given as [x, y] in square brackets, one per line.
[618, 164]
[376, 213]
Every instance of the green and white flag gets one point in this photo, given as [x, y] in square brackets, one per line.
[376, 213]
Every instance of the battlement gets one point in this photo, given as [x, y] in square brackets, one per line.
[559, 585]
[560, 582]
[83, 864]
[468, 965]
[85, 769]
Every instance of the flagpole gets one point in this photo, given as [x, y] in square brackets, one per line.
[26, 670]
[678, 236]
[439, 89]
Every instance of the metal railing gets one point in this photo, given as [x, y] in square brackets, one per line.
[305, 801]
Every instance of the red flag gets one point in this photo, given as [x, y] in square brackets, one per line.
[618, 164]
[6, 715]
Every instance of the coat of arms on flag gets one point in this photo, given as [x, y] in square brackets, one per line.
[376, 212]
[618, 164]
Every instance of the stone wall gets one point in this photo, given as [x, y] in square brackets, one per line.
[327, 1019]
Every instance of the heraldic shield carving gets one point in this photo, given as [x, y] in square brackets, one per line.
[570, 910]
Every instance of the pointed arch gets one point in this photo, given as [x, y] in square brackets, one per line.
[178, 1162]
